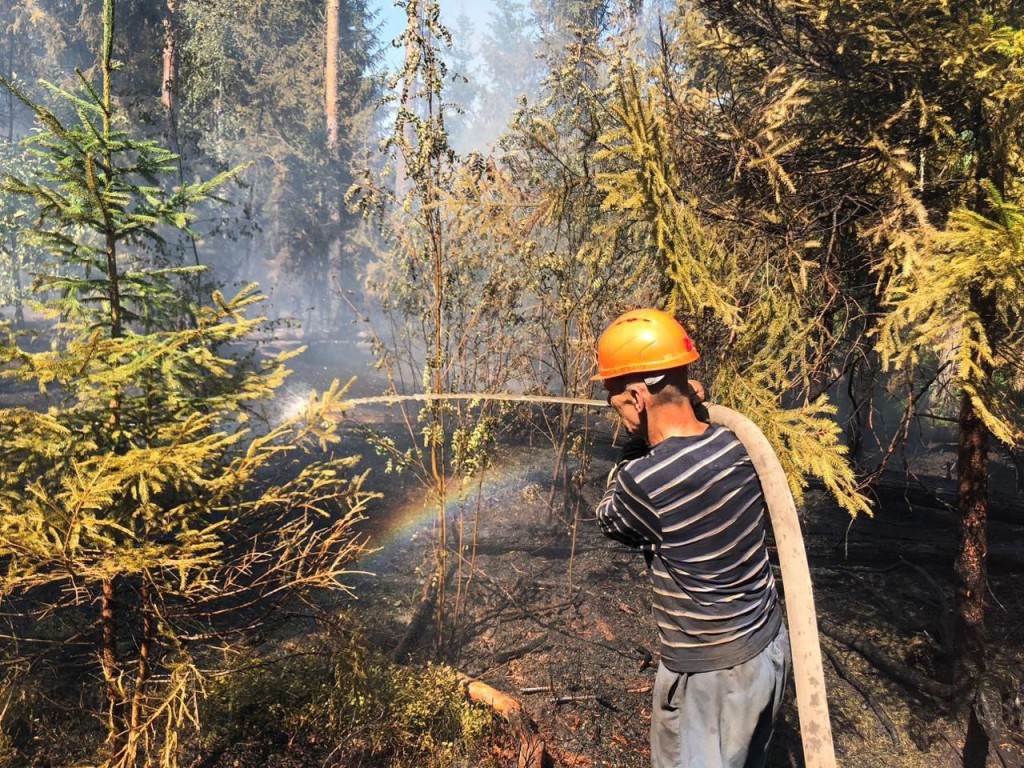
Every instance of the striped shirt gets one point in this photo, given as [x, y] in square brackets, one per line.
[695, 507]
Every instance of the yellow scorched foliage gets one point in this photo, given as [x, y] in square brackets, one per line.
[933, 300]
[186, 494]
[721, 278]
[645, 187]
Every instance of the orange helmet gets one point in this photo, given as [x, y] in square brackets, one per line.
[640, 341]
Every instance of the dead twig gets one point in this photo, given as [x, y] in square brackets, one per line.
[573, 698]
[896, 670]
[843, 671]
[522, 650]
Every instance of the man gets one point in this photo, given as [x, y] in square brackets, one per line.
[686, 493]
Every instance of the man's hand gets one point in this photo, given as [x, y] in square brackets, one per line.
[697, 398]
[634, 448]
[696, 391]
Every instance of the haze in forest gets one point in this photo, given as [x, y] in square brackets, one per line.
[223, 210]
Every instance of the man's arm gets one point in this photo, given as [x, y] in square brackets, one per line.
[624, 512]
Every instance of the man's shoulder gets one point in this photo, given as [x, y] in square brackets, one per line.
[716, 444]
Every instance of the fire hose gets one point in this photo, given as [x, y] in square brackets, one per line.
[808, 673]
[811, 702]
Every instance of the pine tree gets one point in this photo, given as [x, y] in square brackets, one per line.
[725, 283]
[253, 88]
[913, 116]
[148, 490]
[17, 256]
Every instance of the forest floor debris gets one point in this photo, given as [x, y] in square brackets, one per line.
[580, 656]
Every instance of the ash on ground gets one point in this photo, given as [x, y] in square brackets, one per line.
[546, 609]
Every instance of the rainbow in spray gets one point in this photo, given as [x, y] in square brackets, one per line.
[497, 488]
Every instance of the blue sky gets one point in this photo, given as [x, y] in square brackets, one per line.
[482, 132]
[393, 19]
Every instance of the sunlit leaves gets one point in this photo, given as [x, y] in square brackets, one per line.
[933, 301]
[160, 474]
[646, 188]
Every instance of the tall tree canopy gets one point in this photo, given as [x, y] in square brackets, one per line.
[889, 139]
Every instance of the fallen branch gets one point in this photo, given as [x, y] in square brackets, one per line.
[573, 698]
[843, 672]
[988, 710]
[522, 650]
[532, 750]
[896, 670]
[945, 619]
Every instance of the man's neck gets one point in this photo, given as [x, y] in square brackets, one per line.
[672, 421]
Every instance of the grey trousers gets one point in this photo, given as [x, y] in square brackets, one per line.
[720, 719]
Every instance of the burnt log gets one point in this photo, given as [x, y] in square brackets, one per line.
[532, 749]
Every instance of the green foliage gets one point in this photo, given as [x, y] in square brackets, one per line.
[570, 264]
[330, 700]
[916, 117]
[471, 446]
[18, 257]
[932, 309]
[720, 277]
[447, 299]
[906, 162]
[148, 482]
[252, 90]
[510, 70]
[692, 260]
[95, 191]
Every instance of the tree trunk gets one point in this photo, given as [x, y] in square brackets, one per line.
[972, 492]
[331, 73]
[108, 607]
[970, 570]
[532, 750]
[111, 673]
[8, 95]
[147, 645]
[169, 82]
[19, 306]
[334, 193]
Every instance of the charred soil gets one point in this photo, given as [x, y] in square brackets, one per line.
[547, 610]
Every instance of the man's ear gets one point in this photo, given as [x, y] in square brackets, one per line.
[636, 394]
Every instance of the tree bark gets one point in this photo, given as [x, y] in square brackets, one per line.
[169, 81]
[108, 607]
[331, 72]
[970, 568]
[19, 305]
[146, 647]
[334, 195]
[532, 750]
[11, 38]
[108, 659]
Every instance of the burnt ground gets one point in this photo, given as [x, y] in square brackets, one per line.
[564, 626]
[547, 610]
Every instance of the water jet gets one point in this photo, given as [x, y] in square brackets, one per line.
[808, 673]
